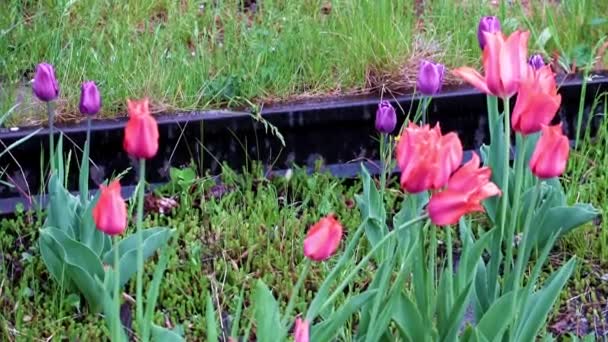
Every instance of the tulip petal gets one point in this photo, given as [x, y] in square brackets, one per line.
[472, 77]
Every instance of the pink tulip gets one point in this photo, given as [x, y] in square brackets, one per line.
[426, 158]
[301, 330]
[323, 239]
[504, 63]
[110, 212]
[537, 101]
[141, 131]
[551, 153]
[467, 187]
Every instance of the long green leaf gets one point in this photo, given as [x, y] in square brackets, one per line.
[328, 329]
[210, 318]
[372, 209]
[539, 304]
[409, 320]
[266, 314]
[157, 237]
[498, 317]
[449, 331]
[18, 142]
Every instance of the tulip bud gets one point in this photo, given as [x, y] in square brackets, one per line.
[45, 85]
[301, 330]
[430, 78]
[141, 131]
[386, 118]
[488, 24]
[110, 212]
[551, 153]
[90, 100]
[323, 239]
[536, 61]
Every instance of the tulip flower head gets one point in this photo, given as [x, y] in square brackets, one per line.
[386, 118]
[550, 155]
[537, 101]
[46, 87]
[301, 330]
[504, 63]
[141, 131]
[430, 78]
[110, 212]
[90, 100]
[426, 158]
[323, 239]
[536, 61]
[467, 187]
[488, 24]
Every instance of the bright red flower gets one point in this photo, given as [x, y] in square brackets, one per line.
[551, 153]
[467, 187]
[323, 239]
[301, 330]
[504, 63]
[537, 101]
[426, 158]
[110, 212]
[141, 131]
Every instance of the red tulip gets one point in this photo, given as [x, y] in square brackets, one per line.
[141, 131]
[551, 153]
[110, 212]
[504, 62]
[467, 187]
[537, 101]
[323, 239]
[426, 158]
[301, 330]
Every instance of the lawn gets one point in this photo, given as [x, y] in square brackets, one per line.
[213, 54]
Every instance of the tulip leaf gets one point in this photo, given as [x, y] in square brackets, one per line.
[411, 207]
[408, 319]
[266, 315]
[469, 258]
[128, 258]
[495, 321]
[81, 265]
[53, 260]
[210, 318]
[372, 209]
[156, 236]
[62, 209]
[457, 312]
[564, 219]
[383, 320]
[538, 305]
[160, 334]
[328, 329]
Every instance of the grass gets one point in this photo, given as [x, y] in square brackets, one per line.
[251, 227]
[191, 55]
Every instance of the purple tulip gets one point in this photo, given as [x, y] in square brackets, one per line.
[386, 118]
[90, 100]
[430, 78]
[45, 86]
[536, 61]
[488, 24]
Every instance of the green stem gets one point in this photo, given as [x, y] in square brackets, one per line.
[117, 323]
[514, 219]
[523, 254]
[450, 296]
[51, 114]
[494, 263]
[382, 163]
[140, 254]
[84, 168]
[581, 108]
[363, 263]
[294, 292]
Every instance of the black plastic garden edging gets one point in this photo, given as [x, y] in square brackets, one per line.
[338, 131]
